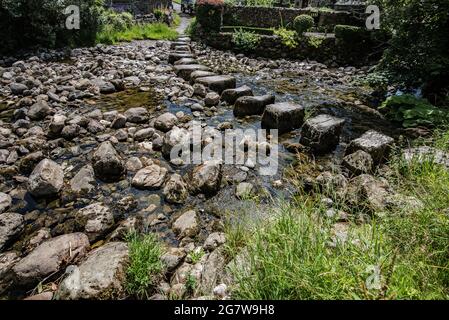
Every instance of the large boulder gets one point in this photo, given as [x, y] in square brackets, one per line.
[186, 225]
[39, 110]
[217, 83]
[206, 178]
[107, 163]
[151, 177]
[175, 190]
[11, 225]
[252, 105]
[284, 117]
[51, 257]
[95, 219]
[5, 202]
[137, 115]
[231, 95]
[375, 143]
[101, 276]
[322, 133]
[46, 179]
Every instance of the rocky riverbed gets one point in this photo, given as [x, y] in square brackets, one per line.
[84, 158]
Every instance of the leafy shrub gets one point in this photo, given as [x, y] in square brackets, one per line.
[412, 111]
[116, 21]
[349, 33]
[303, 23]
[315, 41]
[209, 14]
[192, 27]
[145, 265]
[288, 37]
[245, 40]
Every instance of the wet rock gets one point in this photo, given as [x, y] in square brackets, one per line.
[165, 122]
[214, 240]
[217, 83]
[322, 133]
[211, 99]
[7, 261]
[84, 181]
[137, 115]
[101, 276]
[186, 225]
[95, 219]
[206, 178]
[46, 179]
[5, 202]
[39, 110]
[134, 164]
[231, 95]
[252, 105]
[358, 162]
[244, 190]
[285, 116]
[50, 257]
[151, 177]
[11, 225]
[107, 163]
[175, 190]
[376, 144]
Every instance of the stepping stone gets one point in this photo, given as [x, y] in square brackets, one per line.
[184, 39]
[285, 116]
[184, 70]
[173, 57]
[231, 95]
[322, 133]
[217, 83]
[376, 144]
[182, 49]
[186, 61]
[249, 105]
[200, 74]
[174, 44]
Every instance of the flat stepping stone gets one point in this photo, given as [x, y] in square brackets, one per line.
[200, 74]
[376, 144]
[322, 133]
[217, 83]
[184, 39]
[231, 95]
[182, 49]
[284, 116]
[252, 105]
[186, 61]
[175, 56]
[184, 70]
[175, 44]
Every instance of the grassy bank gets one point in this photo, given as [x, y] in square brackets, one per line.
[402, 253]
[154, 31]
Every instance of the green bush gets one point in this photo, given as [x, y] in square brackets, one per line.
[349, 33]
[25, 24]
[116, 21]
[288, 37]
[412, 111]
[303, 23]
[245, 40]
[192, 27]
[209, 14]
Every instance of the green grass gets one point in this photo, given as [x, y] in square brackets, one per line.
[145, 268]
[154, 31]
[403, 254]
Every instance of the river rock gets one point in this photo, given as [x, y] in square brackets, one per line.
[101, 276]
[5, 202]
[7, 261]
[285, 116]
[165, 122]
[211, 99]
[144, 134]
[175, 190]
[425, 153]
[252, 105]
[137, 115]
[70, 131]
[358, 162]
[217, 83]
[107, 163]
[119, 121]
[57, 124]
[95, 219]
[39, 110]
[184, 70]
[46, 179]
[231, 95]
[172, 258]
[200, 74]
[50, 257]
[244, 190]
[186, 225]
[212, 270]
[151, 177]
[83, 181]
[376, 144]
[174, 138]
[11, 225]
[17, 88]
[173, 57]
[214, 240]
[322, 133]
[206, 178]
